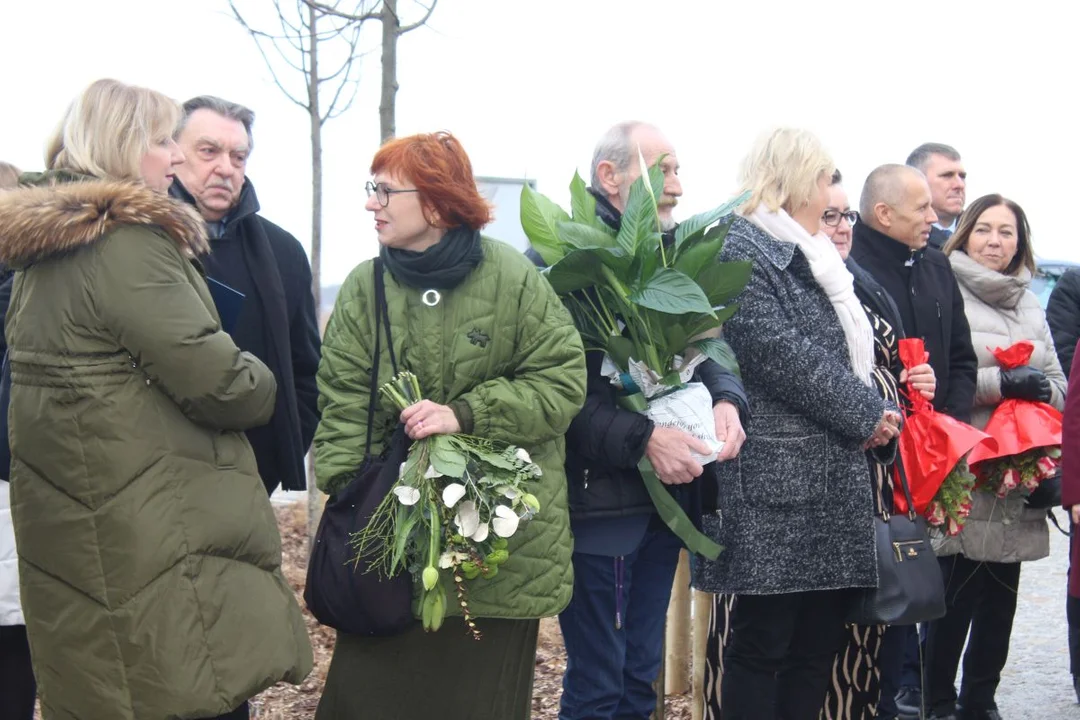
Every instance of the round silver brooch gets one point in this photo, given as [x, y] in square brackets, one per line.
[431, 298]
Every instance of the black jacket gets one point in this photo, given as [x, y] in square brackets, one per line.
[1063, 316]
[277, 324]
[938, 237]
[872, 294]
[922, 284]
[605, 443]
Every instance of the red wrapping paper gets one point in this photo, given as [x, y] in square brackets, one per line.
[931, 443]
[1019, 425]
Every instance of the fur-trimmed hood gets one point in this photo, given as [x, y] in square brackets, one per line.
[39, 222]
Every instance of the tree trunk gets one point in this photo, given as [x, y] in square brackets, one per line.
[314, 497]
[387, 103]
[677, 633]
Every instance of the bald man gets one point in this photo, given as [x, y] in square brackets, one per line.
[890, 242]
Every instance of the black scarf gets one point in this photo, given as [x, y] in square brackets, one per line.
[442, 266]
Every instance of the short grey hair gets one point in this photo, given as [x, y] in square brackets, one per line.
[233, 111]
[920, 156]
[614, 147]
[884, 185]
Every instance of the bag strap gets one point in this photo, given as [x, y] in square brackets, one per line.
[901, 477]
[1053, 518]
[382, 326]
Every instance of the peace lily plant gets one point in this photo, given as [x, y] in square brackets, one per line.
[652, 303]
[457, 500]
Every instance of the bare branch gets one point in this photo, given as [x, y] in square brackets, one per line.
[332, 11]
[333, 111]
[256, 35]
[427, 16]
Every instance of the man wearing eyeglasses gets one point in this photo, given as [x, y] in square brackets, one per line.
[275, 319]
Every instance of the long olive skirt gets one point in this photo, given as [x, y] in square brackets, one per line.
[446, 674]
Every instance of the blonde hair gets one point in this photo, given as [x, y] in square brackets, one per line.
[782, 170]
[108, 128]
[9, 176]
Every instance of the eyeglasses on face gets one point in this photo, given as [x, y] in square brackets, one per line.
[832, 218]
[383, 192]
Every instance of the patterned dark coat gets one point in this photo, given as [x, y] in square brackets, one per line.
[796, 505]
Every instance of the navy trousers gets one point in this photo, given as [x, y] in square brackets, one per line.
[613, 629]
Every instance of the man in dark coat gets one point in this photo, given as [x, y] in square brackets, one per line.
[624, 555]
[944, 171]
[276, 320]
[890, 242]
[1063, 316]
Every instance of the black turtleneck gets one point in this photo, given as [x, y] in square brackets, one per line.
[926, 294]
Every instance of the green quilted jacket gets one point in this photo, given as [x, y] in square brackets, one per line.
[148, 551]
[501, 343]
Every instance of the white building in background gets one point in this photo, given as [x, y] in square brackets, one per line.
[505, 195]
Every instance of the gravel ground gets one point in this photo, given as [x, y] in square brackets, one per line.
[1036, 684]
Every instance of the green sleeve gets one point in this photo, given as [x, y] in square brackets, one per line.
[145, 295]
[344, 384]
[546, 388]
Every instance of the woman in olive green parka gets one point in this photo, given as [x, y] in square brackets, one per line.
[497, 356]
[148, 551]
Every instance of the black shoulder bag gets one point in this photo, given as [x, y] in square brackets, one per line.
[910, 587]
[342, 593]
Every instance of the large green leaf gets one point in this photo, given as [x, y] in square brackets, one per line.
[620, 349]
[445, 458]
[675, 336]
[584, 236]
[723, 281]
[578, 270]
[582, 203]
[670, 291]
[693, 225]
[719, 351]
[540, 218]
[696, 255]
[639, 231]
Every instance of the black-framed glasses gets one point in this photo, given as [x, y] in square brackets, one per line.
[832, 218]
[383, 192]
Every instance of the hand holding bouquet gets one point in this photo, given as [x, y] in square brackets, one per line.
[456, 501]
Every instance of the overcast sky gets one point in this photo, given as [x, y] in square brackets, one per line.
[529, 85]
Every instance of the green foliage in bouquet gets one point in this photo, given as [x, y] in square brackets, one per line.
[670, 296]
[456, 501]
[951, 505]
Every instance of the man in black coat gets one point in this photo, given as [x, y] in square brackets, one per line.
[276, 321]
[890, 242]
[624, 555]
[944, 171]
[1063, 316]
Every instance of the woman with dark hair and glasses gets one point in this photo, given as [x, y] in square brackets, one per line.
[497, 355]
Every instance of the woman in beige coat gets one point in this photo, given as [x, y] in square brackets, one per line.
[992, 257]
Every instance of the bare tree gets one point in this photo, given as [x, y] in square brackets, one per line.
[306, 34]
[385, 11]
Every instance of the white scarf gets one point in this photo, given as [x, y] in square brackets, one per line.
[833, 277]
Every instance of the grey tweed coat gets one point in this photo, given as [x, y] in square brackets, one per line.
[796, 506]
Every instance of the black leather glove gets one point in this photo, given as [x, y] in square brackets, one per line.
[1025, 383]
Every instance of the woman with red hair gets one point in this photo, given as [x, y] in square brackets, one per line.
[496, 355]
